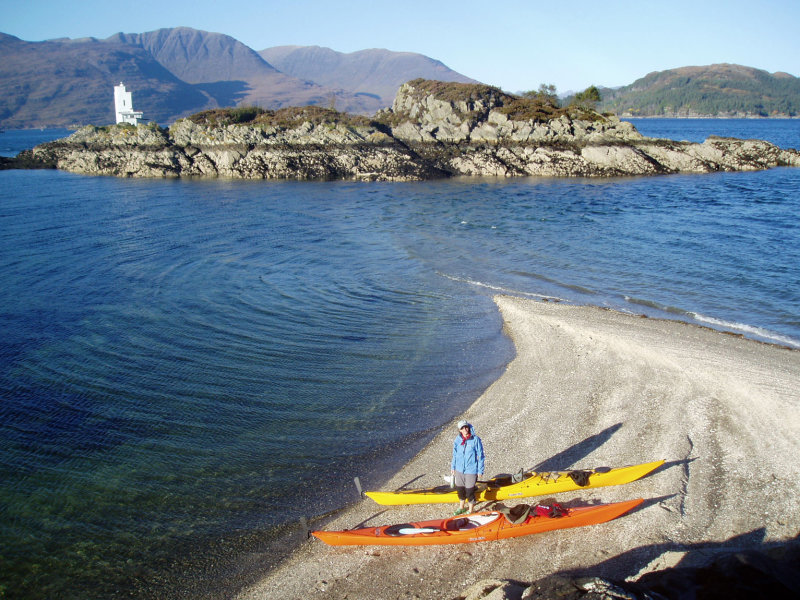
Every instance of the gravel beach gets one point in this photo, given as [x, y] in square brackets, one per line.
[592, 387]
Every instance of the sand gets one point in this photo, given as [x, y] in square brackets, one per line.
[592, 387]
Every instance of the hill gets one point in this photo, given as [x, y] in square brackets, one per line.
[721, 90]
[375, 72]
[234, 74]
[179, 71]
[65, 83]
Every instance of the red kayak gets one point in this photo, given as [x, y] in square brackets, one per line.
[480, 526]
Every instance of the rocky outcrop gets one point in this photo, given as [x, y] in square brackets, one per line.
[432, 130]
[770, 574]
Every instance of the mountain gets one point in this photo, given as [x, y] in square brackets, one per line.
[173, 73]
[65, 83]
[723, 90]
[376, 72]
[233, 73]
[176, 72]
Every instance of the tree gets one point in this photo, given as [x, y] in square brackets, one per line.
[588, 98]
[546, 94]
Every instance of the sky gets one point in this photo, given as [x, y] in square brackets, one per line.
[514, 45]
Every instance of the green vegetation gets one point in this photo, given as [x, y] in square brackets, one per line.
[712, 90]
[226, 116]
[284, 117]
[537, 109]
[295, 115]
[588, 98]
[457, 92]
[546, 94]
[542, 105]
[539, 106]
[124, 128]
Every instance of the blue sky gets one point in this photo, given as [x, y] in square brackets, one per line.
[515, 45]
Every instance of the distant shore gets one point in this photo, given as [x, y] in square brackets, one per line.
[754, 117]
[592, 387]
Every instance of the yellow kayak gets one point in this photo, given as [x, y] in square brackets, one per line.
[523, 485]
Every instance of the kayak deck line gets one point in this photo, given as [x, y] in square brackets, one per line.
[531, 483]
[478, 527]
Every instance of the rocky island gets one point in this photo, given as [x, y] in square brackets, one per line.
[433, 130]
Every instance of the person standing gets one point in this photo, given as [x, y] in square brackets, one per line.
[466, 465]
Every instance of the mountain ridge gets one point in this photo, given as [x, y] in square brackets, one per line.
[61, 83]
[172, 72]
[230, 71]
[375, 71]
[175, 72]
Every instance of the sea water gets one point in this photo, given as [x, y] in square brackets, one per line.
[189, 368]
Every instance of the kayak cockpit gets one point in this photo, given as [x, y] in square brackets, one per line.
[409, 529]
[470, 522]
[454, 524]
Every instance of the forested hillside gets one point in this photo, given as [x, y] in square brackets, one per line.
[722, 90]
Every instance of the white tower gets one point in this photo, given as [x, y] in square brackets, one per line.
[123, 105]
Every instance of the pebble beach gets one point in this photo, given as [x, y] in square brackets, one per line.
[592, 387]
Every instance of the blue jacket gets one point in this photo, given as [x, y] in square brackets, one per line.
[468, 457]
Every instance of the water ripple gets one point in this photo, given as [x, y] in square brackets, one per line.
[180, 357]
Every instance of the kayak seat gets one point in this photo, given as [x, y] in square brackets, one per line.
[456, 524]
[581, 478]
[516, 514]
[499, 481]
[504, 479]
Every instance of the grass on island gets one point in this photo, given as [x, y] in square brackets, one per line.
[536, 107]
[291, 116]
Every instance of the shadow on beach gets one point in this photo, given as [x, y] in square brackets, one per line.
[566, 458]
[743, 566]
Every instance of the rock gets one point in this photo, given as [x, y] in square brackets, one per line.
[772, 574]
[749, 574]
[603, 589]
[493, 589]
[586, 588]
[433, 130]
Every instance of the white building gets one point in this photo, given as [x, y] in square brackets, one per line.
[123, 105]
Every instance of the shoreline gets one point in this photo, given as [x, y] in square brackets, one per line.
[593, 387]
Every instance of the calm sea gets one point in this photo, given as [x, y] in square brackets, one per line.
[189, 368]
